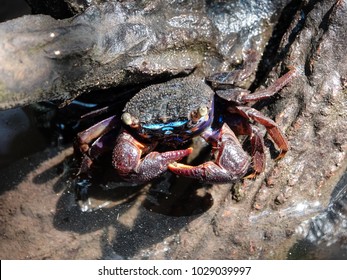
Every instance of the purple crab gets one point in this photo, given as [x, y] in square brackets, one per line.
[170, 114]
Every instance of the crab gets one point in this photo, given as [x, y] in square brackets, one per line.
[173, 113]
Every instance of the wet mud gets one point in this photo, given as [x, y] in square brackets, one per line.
[296, 209]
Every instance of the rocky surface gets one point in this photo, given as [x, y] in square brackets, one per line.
[289, 211]
[117, 43]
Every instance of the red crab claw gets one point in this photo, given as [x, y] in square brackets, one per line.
[231, 162]
[127, 159]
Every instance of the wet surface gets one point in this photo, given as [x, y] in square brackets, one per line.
[325, 234]
[296, 209]
[96, 49]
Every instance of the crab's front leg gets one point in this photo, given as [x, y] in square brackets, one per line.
[231, 161]
[95, 140]
[128, 162]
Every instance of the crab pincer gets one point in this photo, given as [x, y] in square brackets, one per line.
[132, 167]
[231, 161]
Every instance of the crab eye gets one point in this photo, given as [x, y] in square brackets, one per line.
[130, 120]
[127, 119]
[203, 111]
[198, 114]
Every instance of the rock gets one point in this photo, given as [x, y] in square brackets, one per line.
[182, 219]
[123, 43]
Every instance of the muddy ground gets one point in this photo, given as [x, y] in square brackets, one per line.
[295, 209]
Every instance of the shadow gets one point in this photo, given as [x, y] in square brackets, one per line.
[140, 216]
[11, 9]
[149, 228]
[20, 140]
[51, 173]
[180, 197]
[272, 54]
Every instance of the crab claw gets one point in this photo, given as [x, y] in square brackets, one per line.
[231, 163]
[131, 166]
[208, 172]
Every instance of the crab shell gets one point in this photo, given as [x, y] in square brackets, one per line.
[175, 111]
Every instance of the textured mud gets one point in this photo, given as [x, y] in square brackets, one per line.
[296, 209]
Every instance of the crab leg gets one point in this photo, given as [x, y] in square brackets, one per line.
[258, 153]
[242, 96]
[98, 135]
[242, 126]
[131, 167]
[271, 127]
[224, 79]
[84, 138]
[231, 161]
[271, 90]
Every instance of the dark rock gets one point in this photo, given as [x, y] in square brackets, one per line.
[311, 110]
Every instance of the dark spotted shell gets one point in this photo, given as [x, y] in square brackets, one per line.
[171, 101]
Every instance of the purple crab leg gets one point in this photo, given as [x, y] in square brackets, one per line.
[271, 90]
[103, 144]
[258, 153]
[242, 96]
[241, 126]
[225, 79]
[231, 161]
[271, 127]
[84, 138]
[101, 131]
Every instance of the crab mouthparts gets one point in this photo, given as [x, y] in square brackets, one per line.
[167, 128]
